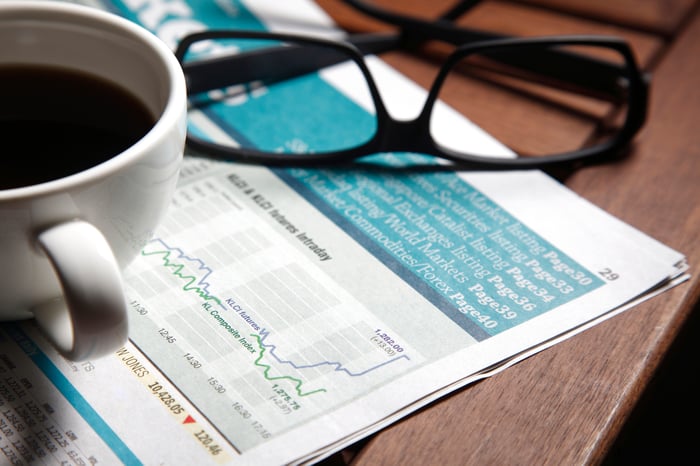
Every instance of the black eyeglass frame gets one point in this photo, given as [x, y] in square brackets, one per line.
[414, 136]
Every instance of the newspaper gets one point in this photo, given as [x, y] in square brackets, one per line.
[277, 316]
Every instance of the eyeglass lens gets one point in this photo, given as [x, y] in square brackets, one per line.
[535, 112]
[314, 99]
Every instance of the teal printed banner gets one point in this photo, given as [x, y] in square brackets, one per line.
[482, 267]
[474, 261]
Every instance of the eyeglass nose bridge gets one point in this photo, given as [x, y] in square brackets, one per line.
[404, 135]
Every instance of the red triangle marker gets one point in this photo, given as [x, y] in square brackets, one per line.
[189, 420]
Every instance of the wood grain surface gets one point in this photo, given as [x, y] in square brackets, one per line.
[567, 404]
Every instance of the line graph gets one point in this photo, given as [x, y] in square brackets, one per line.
[267, 368]
[337, 365]
[196, 281]
[192, 284]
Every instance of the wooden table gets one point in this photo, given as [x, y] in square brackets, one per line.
[567, 404]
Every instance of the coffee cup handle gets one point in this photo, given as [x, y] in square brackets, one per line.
[90, 319]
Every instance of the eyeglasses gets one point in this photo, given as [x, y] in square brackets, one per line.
[284, 99]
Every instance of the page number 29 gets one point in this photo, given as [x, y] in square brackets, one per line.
[608, 274]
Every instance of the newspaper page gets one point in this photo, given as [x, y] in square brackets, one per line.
[279, 314]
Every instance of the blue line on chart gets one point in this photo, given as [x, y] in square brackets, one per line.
[201, 265]
[264, 333]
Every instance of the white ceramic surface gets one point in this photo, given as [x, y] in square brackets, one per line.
[64, 242]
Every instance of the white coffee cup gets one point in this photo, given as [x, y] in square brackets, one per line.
[64, 242]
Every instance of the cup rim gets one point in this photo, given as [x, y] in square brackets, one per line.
[168, 118]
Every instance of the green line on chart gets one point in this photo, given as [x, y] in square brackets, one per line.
[297, 382]
[176, 270]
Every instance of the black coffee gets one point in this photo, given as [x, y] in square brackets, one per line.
[55, 122]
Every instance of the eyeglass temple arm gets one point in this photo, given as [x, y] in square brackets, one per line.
[394, 18]
[276, 63]
[459, 9]
[572, 69]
